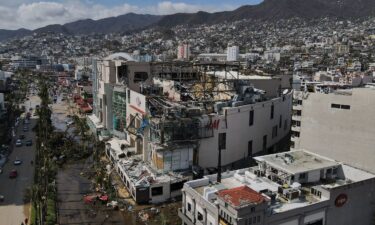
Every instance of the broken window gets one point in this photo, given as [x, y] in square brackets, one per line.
[157, 191]
[177, 186]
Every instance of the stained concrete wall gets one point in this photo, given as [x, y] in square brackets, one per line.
[344, 135]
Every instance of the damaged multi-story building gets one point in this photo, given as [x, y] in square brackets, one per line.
[167, 123]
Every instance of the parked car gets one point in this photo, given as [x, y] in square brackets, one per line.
[17, 162]
[25, 129]
[2, 198]
[1, 170]
[13, 174]
[22, 136]
[18, 143]
[29, 143]
[68, 123]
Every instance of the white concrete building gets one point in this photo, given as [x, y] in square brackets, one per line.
[339, 125]
[272, 55]
[292, 188]
[183, 51]
[249, 129]
[233, 53]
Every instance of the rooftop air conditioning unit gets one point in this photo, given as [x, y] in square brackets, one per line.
[293, 194]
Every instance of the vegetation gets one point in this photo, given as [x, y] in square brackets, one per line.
[44, 191]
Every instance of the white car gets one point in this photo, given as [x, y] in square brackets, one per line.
[18, 143]
[17, 162]
[68, 123]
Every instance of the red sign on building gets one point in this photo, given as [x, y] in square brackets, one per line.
[341, 200]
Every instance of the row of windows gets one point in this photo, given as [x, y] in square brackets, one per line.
[338, 106]
[253, 220]
[251, 116]
[251, 119]
[316, 192]
[225, 216]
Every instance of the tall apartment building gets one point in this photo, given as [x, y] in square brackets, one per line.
[292, 188]
[339, 125]
[233, 53]
[183, 51]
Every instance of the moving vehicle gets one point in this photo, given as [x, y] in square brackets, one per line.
[13, 174]
[17, 162]
[29, 143]
[18, 143]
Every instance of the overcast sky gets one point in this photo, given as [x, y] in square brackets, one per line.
[31, 14]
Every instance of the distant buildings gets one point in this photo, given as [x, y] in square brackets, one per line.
[27, 62]
[339, 125]
[293, 188]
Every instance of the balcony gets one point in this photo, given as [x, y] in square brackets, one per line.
[296, 128]
[296, 118]
[294, 139]
[297, 107]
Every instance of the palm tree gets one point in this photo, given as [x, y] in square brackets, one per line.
[82, 128]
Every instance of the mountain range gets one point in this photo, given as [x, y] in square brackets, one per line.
[267, 10]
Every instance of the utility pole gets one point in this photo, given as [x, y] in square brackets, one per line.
[222, 145]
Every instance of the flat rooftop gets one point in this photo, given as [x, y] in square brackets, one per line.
[139, 172]
[235, 75]
[234, 180]
[296, 162]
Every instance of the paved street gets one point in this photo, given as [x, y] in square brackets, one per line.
[72, 187]
[13, 211]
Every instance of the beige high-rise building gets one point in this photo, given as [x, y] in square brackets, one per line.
[338, 125]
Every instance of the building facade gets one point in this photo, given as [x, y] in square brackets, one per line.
[183, 51]
[233, 53]
[167, 118]
[293, 188]
[337, 125]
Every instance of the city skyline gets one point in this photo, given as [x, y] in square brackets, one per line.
[33, 14]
